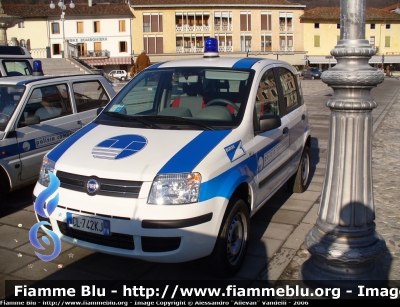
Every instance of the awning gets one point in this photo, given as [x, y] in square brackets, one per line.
[321, 60]
[109, 61]
[389, 59]
[375, 59]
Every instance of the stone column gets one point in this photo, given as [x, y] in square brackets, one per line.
[344, 245]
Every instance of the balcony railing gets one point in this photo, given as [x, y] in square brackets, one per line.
[284, 48]
[224, 27]
[189, 49]
[285, 28]
[225, 49]
[94, 54]
[191, 28]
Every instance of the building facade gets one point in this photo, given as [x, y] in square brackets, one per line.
[109, 36]
[177, 29]
[102, 33]
[322, 32]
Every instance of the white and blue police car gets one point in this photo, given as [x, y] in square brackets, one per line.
[175, 165]
[36, 113]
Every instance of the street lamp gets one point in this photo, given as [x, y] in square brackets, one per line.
[397, 10]
[63, 7]
[344, 245]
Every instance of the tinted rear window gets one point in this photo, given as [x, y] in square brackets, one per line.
[11, 50]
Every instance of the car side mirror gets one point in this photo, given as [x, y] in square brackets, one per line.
[269, 122]
[99, 110]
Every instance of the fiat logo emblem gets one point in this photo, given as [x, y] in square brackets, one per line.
[92, 186]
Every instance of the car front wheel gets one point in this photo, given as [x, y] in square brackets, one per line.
[231, 245]
[4, 188]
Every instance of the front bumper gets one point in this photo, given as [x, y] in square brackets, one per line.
[169, 233]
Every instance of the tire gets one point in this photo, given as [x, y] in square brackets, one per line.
[4, 189]
[312, 78]
[232, 241]
[298, 183]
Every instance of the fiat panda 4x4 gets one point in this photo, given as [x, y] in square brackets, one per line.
[175, 165]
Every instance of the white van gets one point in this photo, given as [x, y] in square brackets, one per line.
[179, 160]
[15, 61]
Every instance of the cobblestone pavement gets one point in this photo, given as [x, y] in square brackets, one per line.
[386, 183]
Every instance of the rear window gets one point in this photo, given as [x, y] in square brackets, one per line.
[17, 67]
[11, 50]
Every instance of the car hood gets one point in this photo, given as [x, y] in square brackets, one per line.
[133, 154]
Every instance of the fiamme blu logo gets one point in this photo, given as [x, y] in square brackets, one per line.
[45, 209]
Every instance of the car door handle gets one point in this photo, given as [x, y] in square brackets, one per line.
[303, 117]
[79, 122]
[285, 131]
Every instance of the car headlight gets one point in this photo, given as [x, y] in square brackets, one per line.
[175, 189]
[47, 166]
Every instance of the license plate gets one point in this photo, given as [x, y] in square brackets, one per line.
[88, 224]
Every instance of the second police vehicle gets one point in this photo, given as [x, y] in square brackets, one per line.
[36, 113]
[175, 165]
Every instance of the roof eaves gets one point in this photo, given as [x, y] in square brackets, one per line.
[218, 5]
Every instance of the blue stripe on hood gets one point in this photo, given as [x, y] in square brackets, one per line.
[246, 63]
[194, 152]
[59, 150]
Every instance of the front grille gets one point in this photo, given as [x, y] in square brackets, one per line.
[117, 240]
[108, 187]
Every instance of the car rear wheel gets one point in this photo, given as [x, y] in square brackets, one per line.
[231, 245]
[299, 181]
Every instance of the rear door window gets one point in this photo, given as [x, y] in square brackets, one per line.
[89, 95]
[289, 88]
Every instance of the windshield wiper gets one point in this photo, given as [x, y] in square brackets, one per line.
[135, 118]
[180, 119]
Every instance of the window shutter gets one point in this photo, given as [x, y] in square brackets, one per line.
[160, 24]
[316, 41]
[122, 26]
[145, 45]
[80, 27]
[146, 23]
[269, 22]
[97, 46]
[152, 45]
[264, 25]
[387, 41]
[159, 45]
[154, 23]
[249, 22]
[243, 22]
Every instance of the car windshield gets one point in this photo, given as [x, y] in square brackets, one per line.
[10, 95]
[181, 98]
